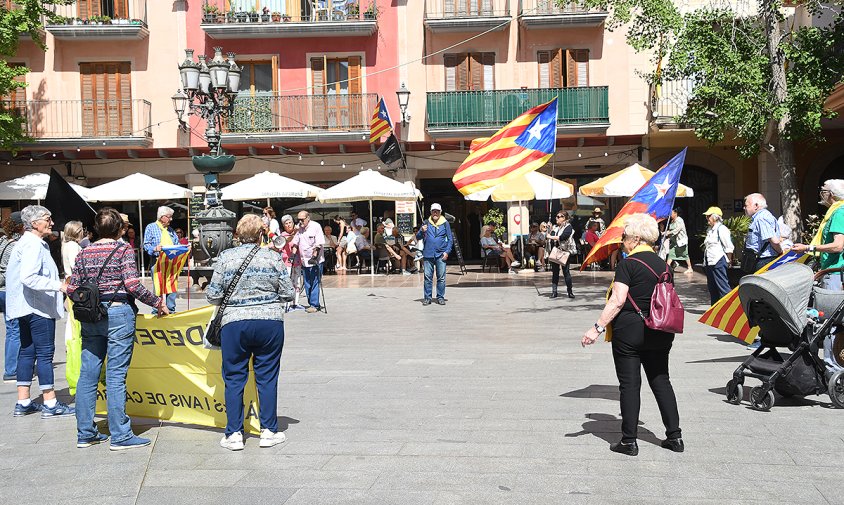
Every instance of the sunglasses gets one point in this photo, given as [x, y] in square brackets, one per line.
[560, 217]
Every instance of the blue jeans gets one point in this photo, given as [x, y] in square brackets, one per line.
[716, 280]
[261, 340]
[38, 345]
[312, 276]
[834, 282]
[13, 341]
[169, 299]
[430, 264]
[111, 338]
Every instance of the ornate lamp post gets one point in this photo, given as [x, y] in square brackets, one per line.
[403, 94]
[208, 91]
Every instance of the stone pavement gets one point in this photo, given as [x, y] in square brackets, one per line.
[489, 399]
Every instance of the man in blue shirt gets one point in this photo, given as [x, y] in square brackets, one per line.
[763, 235]
[438, 240]
[156, 236]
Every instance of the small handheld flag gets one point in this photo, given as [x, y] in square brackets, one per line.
[655, 197]
[168, 266]
[522, 146]
[380, 123]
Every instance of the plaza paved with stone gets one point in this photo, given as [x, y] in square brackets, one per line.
[489, 399]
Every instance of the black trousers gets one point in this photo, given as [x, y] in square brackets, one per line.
[635, 347]
[555, 275]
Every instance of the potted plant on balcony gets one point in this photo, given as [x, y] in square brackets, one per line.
[241, 16]
[371, 11]
[253, 15]
[210, 13]
[106, 20]
[353, 11]
[265, 15]
[285, 18]
[276, 16]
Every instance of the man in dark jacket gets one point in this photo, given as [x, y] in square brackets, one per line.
[436, 234]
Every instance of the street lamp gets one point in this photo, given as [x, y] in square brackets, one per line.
[209, 90]
[403, 94]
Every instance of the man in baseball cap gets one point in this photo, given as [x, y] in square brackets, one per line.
[438, 241]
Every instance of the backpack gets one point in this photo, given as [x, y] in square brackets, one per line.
[666, 308]
[87, 307]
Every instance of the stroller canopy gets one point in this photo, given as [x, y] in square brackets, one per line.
[786, 289]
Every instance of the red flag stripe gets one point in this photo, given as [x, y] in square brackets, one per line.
[494, 174]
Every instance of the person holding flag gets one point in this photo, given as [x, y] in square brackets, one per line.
[158, 235]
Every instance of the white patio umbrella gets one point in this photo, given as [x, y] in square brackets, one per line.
[625, 183]
[137, 188]
[369, 185]
[531, 186]
[33, 187]
[269, 185]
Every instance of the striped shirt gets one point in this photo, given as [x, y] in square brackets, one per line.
[121, 269]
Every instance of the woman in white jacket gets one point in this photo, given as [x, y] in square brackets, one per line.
[717, 254]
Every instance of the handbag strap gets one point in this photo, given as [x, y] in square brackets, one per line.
[230, 290]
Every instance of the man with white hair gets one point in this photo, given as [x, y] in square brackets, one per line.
[156, 236]
[762, 243]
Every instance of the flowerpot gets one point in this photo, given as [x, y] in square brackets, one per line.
[208, 18]
[253, 18]
[265, 18]
[221, 18]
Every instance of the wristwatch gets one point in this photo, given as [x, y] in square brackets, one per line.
[811, 248]
[600, 328]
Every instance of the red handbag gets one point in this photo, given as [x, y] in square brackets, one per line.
[667, 312]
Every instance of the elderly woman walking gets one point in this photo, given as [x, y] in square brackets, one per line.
[34, 298]
[717, 254]
[252, 327]
[634, 345]
[112, 264]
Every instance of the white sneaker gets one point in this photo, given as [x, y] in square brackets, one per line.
[511, 271]
[233, 442]
[269, 439]
[406, 272]
[515, 264]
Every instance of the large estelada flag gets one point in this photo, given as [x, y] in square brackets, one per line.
[524, 145]
[380, 123]
[168, 266]
[728, 315]
[655, 197]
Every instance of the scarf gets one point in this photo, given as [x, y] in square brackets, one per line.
[439, 222]
[832, 208]
[166, 239]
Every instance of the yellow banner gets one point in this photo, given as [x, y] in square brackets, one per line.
[173, 377]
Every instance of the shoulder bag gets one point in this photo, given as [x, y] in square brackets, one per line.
[560, 253]
[86, 298]
[213, 332]
[667, 311]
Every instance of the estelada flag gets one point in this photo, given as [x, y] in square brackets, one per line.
[728, 315]
[380, 123]
[522, 146]
[168, 266]
[655, 197]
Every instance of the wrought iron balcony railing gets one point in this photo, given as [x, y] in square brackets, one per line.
[106, 13]
[671, 99]
[44, 120]
[494, 109]
[281, 11]
[450, 9]
[301, 113]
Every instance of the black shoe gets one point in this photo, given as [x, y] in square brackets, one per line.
[673, 444]
[631, 449]
[571, 295]
[553, 294]
[426, 301]
[440, 301]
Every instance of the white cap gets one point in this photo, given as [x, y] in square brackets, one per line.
[436, 206]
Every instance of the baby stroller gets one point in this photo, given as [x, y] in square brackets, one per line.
[777, 302]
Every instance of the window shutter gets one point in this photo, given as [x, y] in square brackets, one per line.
[463, 82]
[476, 71]
[121, 10]
[124, 93]
[318, 107]
[86, 74]
[356, 112]
[449, 7]
[581, 58]
[543, 59]
[556, 69]
[87, 8]
[489, 71]
[450, 65]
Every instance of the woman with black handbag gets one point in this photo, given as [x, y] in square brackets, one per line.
[252, 326]
[560, 240]
[111, 264]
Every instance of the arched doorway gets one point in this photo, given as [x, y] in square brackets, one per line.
[705, 184]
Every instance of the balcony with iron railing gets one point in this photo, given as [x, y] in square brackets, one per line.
[669, 102]
[299, 118]
[539, 14]
[67, 123]
[101, 20]
[467, 15]
[459, 113]
[258, 19]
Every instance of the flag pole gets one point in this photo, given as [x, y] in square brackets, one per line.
[141, 249]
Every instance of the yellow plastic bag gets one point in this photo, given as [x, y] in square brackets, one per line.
[73, 345]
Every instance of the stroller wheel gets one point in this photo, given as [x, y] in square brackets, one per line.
[760, 401]
[836, 389]
[735, 392]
